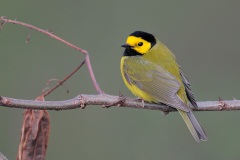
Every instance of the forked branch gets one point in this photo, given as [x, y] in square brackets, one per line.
[102, 99]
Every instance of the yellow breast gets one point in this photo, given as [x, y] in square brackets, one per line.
[134, 89]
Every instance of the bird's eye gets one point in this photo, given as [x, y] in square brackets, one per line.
[140, 43]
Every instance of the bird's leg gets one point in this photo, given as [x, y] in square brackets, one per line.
[222, 104]
[141, 100]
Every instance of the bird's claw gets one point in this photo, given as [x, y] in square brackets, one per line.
[120, 102]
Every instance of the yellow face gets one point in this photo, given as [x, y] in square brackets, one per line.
[138, 44]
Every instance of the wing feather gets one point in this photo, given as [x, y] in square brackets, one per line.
[188, 90]
[154, 81]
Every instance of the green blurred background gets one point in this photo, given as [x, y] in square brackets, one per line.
[204, 36]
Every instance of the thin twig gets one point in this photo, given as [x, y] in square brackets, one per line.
[107, 100]
[4, 20]
[62, 81]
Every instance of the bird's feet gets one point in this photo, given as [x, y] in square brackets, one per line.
[222, 105]
[119, 102]
[140, 100]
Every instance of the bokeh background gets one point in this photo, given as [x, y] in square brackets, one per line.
[204, 36]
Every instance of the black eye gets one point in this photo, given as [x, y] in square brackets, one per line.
[140, 43]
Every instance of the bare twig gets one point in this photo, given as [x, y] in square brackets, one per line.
[105, 100]
[4, 20]
[65, 79]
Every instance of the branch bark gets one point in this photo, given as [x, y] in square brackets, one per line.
[2, 157]
[105, 100]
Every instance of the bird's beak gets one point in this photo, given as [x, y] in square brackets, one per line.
[125, 45]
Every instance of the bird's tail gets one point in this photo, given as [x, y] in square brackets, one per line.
[193, 125]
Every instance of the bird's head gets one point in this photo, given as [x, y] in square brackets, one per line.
[139, 42]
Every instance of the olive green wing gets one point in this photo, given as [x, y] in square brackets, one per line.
[188, 90]
[154, 81]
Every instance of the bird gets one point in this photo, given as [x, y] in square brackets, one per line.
[150, 71]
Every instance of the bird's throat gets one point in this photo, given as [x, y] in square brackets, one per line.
[131, 52]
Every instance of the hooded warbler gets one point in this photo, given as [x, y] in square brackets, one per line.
[150, 71]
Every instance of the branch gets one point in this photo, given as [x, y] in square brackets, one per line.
[81, 101]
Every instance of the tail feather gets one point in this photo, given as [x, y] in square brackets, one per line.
[194, 127]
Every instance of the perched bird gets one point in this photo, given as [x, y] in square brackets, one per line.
[150, 71]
